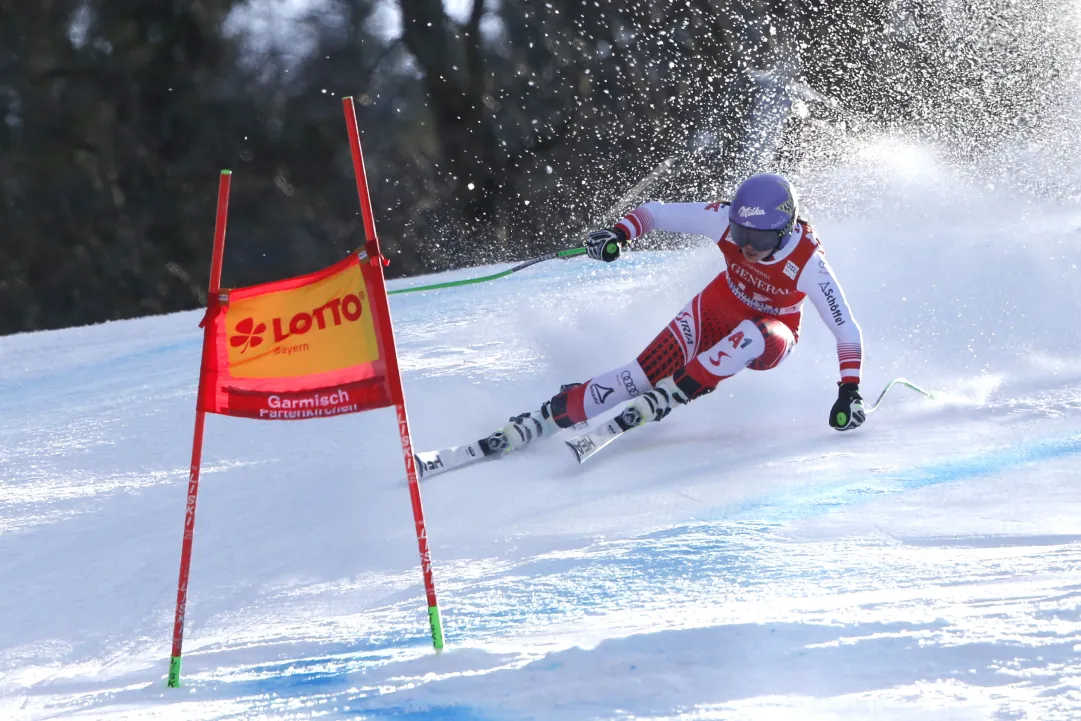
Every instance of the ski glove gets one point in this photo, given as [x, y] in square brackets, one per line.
[847, 413]
[605, 244]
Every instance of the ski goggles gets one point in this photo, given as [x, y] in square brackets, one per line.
[758, 240]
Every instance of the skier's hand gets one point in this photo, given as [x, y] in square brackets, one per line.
[847, 412]
[605, 244]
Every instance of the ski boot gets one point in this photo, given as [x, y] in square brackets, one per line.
[653, 405]
[525, 428]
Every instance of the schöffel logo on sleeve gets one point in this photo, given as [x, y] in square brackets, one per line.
[831, 300]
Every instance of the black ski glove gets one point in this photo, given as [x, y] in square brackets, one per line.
[605, 244]
[847, 413]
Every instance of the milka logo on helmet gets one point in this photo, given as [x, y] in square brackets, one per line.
[747, 211]
[348, 308]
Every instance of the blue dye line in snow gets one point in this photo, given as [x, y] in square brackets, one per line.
[823, 498]
[332, 682]
[698, 551]
[444, 713]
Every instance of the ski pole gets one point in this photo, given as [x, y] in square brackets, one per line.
[568, 253]
[891, 384]
[629, 196]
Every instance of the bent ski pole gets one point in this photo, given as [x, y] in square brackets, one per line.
[896, 381]
[628, 197]
[568, 253]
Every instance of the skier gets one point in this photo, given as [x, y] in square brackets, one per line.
[747, 317]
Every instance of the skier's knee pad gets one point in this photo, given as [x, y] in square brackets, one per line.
[731, 354]
[778, 341]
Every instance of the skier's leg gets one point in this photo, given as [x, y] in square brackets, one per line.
[706, 319]
[527, 427]
[599, 394]
[758, 343]
[671, 349]
[579, 402]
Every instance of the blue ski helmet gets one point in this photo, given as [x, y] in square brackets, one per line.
[763, 212]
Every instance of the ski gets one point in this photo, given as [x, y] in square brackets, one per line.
[586, 445]
[434, 463]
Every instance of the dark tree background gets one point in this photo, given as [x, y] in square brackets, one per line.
[487, 137]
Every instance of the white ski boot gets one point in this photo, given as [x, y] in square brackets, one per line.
[650, 406]
[653, 405]
[524, 429]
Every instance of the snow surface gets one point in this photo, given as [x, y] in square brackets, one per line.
[740, 560]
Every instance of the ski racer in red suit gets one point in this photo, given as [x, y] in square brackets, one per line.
[747, 317]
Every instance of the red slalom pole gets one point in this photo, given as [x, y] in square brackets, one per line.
[394, 378]
[197, 441]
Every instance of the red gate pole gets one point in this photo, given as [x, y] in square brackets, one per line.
[394, 378]
[197, 441]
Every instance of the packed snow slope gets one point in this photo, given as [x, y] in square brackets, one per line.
[740, 560]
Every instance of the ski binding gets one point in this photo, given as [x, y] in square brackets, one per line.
[434, 463]
[589, 444]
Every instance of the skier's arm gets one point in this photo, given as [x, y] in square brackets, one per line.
[820, 284]
[708, 219]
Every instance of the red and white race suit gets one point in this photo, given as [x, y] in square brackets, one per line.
[747, 317]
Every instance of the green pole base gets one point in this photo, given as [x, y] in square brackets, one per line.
[174, 672]
[437, 627]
